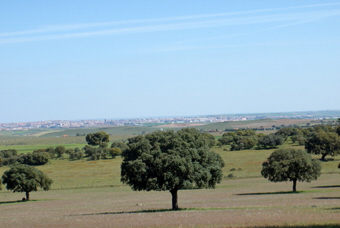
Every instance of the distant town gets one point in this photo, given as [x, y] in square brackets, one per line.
[62, 124]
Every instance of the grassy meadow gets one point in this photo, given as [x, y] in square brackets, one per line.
[90, 194]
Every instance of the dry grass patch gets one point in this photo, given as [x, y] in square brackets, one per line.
[235, 203]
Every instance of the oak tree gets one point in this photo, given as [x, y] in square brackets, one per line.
[97, 139]
[324, 143]
[291, 165]
[170, 161]
[25, 178]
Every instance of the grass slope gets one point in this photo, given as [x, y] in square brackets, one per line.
[252, 124]
[123, 130]
[89, 194]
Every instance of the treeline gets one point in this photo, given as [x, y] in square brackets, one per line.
[314, 123]
[320, 139]
[247, 139]
[11, 157]
[44, 155]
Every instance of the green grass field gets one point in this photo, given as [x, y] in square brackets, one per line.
[90, 194]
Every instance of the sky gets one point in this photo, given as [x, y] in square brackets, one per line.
[73, 60]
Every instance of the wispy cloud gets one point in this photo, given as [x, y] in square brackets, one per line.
[203, 21]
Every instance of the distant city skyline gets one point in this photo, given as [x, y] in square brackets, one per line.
[73, 60]
[193, 118]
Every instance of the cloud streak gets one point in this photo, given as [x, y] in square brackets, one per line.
[204, 21]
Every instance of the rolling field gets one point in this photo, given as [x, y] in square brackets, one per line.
[90, 194]
[253, 202]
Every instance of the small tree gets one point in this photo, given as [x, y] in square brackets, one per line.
[168, 160]
[115, 152]
[270, 141]
[24, 178]
[98, 138]
[40, 158]
[59, 151]
[291, 165]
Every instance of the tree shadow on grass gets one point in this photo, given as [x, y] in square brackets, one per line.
[140, 211]
[17, 201]
[328, 160]
[334, 209]
[330, 186]
[268, 193]
[325, 198]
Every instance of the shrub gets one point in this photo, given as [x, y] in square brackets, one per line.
[34, 159]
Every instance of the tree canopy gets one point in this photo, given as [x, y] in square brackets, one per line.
[59, 151]
[25, 178]
[291, 165]
[324, 143]
[98, 138]
[270, 141]
[122, 146]
[169, 160]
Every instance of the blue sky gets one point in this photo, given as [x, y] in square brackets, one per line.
[126, 59]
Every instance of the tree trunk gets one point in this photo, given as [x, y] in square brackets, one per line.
[27, 195]
[174, 199]
[294, 185]
[323, 157]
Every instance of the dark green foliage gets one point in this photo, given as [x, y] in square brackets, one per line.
[243, 142]
[59, 151]
[96, 153]
[69, 151]
[168, 160]
[8, 161]
[8, 153]
[247, 132]
[324, 143]
[113, 152]
[8, 157]
[299, 139]
[49, 150]
[103, 145]
[270, 141]
[288, 131]
[98, 138]
[291, 165]
[117, 148]
[24, 178]
[209, 138]
[337, 129]
[225, 140]
[34, 159]
[122, 146]
[89, 150]
[76, 155]
[325, 128]
[295, 133]
[239, 140]
[46, 152]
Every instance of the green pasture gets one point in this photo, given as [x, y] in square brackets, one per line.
[24, 144]
[114, 131]
[82, 173]
[89, 193]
